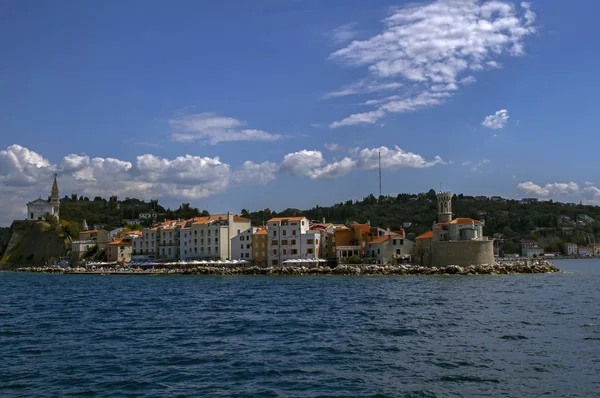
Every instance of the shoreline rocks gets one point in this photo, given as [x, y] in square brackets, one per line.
[518, 267]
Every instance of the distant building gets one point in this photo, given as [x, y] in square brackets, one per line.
[241, 245]
[525, 201]
[498, 199]
[406, 225]
[391, 248]
[570, 249]
[458, 241]
[290, 238]
[260, 246]
[98, 236]
[481, 198]
[119, 250]
[39, 208]
[585, 251]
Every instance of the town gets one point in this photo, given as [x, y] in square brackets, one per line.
[284, 240]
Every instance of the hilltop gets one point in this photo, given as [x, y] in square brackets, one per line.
[551, 223]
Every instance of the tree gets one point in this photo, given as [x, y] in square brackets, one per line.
[205, 213]
[245, 213]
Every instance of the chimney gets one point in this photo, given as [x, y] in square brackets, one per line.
[388, 231]
[368, 223]
[323, 220]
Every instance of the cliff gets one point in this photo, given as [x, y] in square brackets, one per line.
[33, 243]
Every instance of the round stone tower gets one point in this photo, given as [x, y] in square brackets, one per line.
[444, 201]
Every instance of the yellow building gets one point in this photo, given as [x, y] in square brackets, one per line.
[260, 246]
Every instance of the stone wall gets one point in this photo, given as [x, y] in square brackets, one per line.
[462, 252]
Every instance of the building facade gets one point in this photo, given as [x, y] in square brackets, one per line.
[39, 208]
[392, 248]
[260, 246]
[570, 249]
[119, 250]
[290, 238]
[241, 245]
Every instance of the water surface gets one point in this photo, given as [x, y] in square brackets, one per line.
[335, 336]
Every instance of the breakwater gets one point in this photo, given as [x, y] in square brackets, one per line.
[518, 267]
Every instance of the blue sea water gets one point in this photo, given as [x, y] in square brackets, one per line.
[329, 336]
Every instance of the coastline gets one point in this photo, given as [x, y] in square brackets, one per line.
[522, 267]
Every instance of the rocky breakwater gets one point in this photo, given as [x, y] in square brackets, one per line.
[522, 267]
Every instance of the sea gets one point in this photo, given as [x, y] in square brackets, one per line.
[290, 336]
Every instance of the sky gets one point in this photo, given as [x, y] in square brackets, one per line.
[288, 103]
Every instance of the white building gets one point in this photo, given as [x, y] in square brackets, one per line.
[571, 249]
[39, 208]
[210, 237]
[241, 245]
[390, 249]
[290, 238]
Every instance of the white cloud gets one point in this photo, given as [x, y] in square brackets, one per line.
[364, 87]
[334, 170]
[258, 173]
[476, 166]
[20, 166]
[344, 33]
[431, 47]
[550, 189]
[332, 147]
[496, 121]
[302, 163]
[25, 175]
[211, 128]
[392, 158]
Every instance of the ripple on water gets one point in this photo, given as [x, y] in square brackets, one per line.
[304, 336]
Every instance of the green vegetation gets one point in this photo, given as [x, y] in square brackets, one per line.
[508, 219]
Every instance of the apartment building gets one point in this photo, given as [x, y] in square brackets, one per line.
[241, 245]
[260, 246]
[291, 238]
[211, 237]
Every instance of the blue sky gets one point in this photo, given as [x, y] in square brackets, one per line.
[286, 103]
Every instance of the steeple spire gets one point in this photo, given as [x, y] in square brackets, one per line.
[54, 192]
[55, 198]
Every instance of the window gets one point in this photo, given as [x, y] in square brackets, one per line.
[208, 241]
[398, 251]
[294, 251]
[201, 232]
[216, 250]
[208, 250]
[256, 245]
[401, 241]
[273, 243]
[393, 241]
[293, 241]
[284, 242]
[274, 262]
[238, 231]
[302, 223]
[216, 241]
[208, 233]
[242, 246]
[378, 251]
[309, 251]
[316, 241]
[274, 251]
[294, 232]
[247, 255]
[284, 251]
[310, 241]
[284, 232]
[248, 246]
[274, 233]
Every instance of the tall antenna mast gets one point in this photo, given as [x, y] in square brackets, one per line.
[379, 173]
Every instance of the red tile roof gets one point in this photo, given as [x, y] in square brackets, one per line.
[426, 235]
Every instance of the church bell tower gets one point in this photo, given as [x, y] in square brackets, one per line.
[55, 198]
[444, 201]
